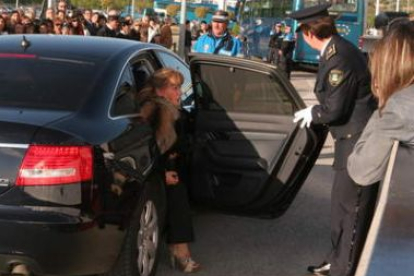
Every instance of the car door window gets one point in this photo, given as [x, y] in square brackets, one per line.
[133, 79]
[142, 69]
[242, 91]
[124, 101]
[173, 62]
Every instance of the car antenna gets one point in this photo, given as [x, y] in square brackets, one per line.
[25, 43]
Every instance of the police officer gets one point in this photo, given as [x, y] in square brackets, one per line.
[287, 46]
[219, 40]
[345, 105]
[274, 45]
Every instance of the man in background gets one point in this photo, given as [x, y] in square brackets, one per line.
[219, 40]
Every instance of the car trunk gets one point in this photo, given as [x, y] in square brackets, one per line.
[17, 131]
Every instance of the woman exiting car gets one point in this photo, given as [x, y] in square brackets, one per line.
[159, 103]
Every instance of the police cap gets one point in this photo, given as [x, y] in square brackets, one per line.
[220, 16]
[311, 14]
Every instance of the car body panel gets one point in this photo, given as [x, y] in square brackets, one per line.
[390, 241]
[249, 156]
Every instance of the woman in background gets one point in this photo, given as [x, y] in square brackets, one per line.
[392, 69]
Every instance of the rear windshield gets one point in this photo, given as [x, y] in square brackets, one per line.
[28, 81]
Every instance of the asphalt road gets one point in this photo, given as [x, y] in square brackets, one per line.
[235, 246]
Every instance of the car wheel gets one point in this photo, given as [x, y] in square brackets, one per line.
[141, 249]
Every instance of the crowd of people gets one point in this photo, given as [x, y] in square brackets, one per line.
[63, 21]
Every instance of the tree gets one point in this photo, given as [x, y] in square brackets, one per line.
[201, 12]
[140, 5]
[106, 4]
[172, 10]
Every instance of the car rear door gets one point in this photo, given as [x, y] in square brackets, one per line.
[248, 155]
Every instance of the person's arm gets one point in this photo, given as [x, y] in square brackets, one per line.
[368, 161]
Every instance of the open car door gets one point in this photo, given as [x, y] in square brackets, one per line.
[248, 156]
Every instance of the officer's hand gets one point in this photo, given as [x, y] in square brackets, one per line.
[305, 115]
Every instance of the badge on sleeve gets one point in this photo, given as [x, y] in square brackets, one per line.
[336, 77]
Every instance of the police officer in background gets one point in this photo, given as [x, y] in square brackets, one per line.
[274, 44]
[219, 40]
[287, 45]
[345, 105]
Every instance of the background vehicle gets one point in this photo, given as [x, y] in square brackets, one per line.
[382, 22]
[350, 22]
[351, 17]
[80, 188]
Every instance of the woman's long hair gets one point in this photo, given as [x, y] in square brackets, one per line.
[392, 62]
[158, 111]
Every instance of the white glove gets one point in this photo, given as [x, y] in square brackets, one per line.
[305, 115]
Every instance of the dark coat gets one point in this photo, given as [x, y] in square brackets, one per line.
[105, 31]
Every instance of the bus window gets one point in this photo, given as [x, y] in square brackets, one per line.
[337, 5]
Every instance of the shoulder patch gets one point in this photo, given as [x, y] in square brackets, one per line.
[336, 77]
[330, 52]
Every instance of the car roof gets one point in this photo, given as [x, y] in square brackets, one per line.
[90, 48]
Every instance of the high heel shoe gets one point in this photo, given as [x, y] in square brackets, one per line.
[186, 265]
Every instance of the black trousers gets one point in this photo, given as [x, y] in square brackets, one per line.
[179, 225]
[352, 208]
[286, 64]
[273, 55]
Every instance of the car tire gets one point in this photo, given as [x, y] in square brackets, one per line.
[141, 250]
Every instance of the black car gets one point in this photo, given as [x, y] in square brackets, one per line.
[80, 187]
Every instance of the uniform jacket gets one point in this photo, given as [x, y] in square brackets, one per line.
[368, 161]
[274, 40]
[225, 45]
[345, 100]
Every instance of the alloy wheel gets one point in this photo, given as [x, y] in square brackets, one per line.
[148, 238]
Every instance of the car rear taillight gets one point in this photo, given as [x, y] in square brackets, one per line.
[55, 165]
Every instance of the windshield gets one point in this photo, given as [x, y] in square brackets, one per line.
[29, 81]
[337, 5]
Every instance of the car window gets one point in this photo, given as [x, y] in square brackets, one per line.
[242, 91]
[124, 101]
[133, 79]
[45, 83]
[173, 62]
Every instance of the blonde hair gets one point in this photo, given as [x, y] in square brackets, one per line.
[158, 111]
[392, 62]
[160, 79]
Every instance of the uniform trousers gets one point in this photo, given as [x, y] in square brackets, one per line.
[352, 208]
[179, 224]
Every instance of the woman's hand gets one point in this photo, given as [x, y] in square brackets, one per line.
[171, 178]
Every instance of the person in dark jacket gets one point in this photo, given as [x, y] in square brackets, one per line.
[287, 45]
[187, 40]
[345, 105]
[274, 45]
[111, 27]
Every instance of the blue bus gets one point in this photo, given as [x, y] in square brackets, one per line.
[257, 17]
[350, 22]
[191, 6]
